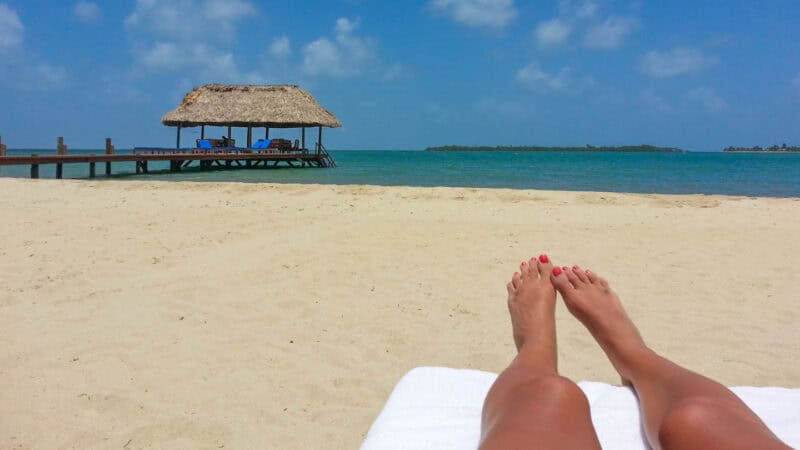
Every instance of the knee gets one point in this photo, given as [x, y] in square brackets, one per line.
[686, 420]
[555, 389]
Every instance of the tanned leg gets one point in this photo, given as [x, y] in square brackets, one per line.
[681, 409]
[530, 406]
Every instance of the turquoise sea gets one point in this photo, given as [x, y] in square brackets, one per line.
[767, 175]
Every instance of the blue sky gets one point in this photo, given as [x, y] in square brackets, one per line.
[697, 74]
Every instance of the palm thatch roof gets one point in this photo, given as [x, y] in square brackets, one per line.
[281, 106]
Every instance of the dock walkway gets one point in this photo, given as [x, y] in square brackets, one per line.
[218, 158]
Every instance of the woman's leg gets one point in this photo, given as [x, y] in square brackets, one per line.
[681, 409]
[530, 406]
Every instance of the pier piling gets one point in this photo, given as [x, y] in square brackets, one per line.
[109, 151]
[34, 167]
[61, 149]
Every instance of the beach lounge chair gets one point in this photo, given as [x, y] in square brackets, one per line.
[440, 408]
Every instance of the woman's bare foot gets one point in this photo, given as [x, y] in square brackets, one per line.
[531, 303]
[590, 299]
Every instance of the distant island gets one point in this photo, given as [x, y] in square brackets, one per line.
[774, 149]
[525, 148]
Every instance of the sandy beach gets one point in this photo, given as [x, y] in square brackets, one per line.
[197, 315]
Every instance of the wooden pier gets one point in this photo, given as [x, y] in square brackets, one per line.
[179, 159]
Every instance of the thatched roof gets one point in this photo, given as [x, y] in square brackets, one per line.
[250, 106]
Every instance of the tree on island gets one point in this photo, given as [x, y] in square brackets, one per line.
[773, 149]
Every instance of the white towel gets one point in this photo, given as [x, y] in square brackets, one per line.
[439, 409]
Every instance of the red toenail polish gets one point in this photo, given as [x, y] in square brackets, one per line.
[524, 263]
[564, 268]
[556, 271]
[544, 259]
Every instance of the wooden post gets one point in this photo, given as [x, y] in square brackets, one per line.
[266, 133]
[319, 141]
[34, 168]
[91, 169]
[61, 149]
[109, 151]
[178, 143]
[229, 133]
[2, 147]
[303, 139]
[249, 137]
[202, 131]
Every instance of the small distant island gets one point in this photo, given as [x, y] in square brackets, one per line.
[774, 149]
[525, 148]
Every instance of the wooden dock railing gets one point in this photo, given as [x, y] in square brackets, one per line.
[178, 159]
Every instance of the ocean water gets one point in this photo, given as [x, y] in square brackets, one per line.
[747, 174]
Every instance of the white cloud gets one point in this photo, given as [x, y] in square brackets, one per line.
[678, 61]
[653, 100]
[345, 25]
[552, 33]
[27, 72]
[189, 20]
[21, 68]
[281, 47]
[478, 13]
[188, 35]
[587, 10]
[87, 12]
[712, 102]
[12, 31]
[536, 79]
[610, 34]
[171, 56]
[343, 56]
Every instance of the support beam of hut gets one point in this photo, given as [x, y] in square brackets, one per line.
[266, 133]
[249, 137]
[229, 133]
[303, 139]
[319, 140]
[202, 132]
[178, 140]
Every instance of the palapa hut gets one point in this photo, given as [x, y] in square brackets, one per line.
[279, 106]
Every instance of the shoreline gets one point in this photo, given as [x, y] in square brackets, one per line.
[202, 314]
[134, 178]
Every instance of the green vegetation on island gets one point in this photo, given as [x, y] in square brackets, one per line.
[774, 149]
[526, 148]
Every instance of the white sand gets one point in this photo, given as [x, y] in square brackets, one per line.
[182, 315]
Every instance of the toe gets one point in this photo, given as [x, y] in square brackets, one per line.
[545, 266]
[516, 280]
[593, 278]
[573, 278]
[580, 273]
[560, 280]
[510, 288]
[524, 269]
